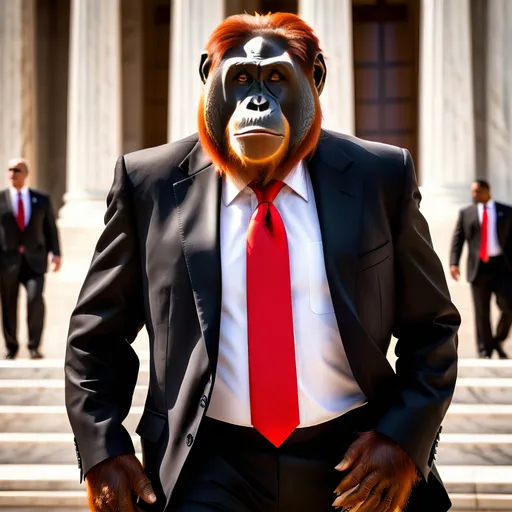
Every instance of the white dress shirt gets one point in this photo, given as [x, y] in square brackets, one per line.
[493, 246]
[327, 388]
[25, 197]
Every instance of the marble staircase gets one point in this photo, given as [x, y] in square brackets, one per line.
[38, 468]
[475, 451]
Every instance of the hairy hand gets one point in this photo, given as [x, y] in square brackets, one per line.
[380, 476]
[113, 483]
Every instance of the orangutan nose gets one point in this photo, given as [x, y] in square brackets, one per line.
[258, 103]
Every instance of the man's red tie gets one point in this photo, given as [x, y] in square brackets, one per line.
[272, 368]
[20, 216]
[484, 237]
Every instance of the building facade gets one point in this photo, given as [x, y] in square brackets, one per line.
[83, 81]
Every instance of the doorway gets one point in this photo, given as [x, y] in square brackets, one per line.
[386, 39]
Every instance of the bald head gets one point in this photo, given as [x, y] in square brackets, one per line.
[18, 172]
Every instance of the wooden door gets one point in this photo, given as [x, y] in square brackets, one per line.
[385, 36]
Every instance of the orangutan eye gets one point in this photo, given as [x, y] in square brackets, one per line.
[275, 76]
[243, 78]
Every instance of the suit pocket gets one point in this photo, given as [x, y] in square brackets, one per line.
[374, 257]
[151, 425]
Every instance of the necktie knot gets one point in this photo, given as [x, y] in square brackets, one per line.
[267, 193]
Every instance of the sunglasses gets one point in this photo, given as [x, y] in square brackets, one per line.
[15, 169]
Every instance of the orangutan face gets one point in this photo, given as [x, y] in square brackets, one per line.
[259, 103]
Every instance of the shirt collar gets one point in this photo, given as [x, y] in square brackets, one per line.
[489, 204]
[296, 180]
[23, 190]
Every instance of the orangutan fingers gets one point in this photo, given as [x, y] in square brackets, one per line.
[142, 486]
[361, 493]
[376, 497]
[387, 499]
[351, 480]
[351, 455]
[340, 499]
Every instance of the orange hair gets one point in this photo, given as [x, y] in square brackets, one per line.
[303, 45]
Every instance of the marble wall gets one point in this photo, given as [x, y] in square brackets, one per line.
[18, 107]
[499, 98]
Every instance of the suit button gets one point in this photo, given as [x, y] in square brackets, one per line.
[190, 440]
[204, 401]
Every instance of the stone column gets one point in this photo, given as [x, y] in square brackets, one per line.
[499, 98]
[447, 136]
[18, 106]
[332, 22]
[132, 72]
[192, 22]
[94, 109]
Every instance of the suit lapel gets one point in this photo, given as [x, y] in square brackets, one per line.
[33, 205]
[338, 196]
[500, 225]
[198, 199]
[338, 188]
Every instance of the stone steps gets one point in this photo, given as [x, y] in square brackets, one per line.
[48, 418]
[478, 488]
[51, 369]
[474, 456]
[43, 500]
[477, 419]
[475, 449]
[46, 392]
[482, 390]
[492, 368]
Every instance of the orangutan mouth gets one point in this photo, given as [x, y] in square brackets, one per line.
[251, 130]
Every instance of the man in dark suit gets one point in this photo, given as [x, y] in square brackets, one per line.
[204, 259]
[28, 234]
[158, 263]
[487, 228]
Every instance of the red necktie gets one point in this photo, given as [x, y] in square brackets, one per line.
[484, 236]
[20, 216]
[272, 368]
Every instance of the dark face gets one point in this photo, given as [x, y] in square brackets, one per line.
[480, 194]
[266, 101]
[17, 173]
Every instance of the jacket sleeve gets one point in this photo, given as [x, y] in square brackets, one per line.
[458, 240]
[50, 230]
[101, 367]
[426, 326]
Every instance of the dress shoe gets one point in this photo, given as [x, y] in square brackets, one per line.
[10, 356]
[485, 354]
[35, 354]
[501, 353]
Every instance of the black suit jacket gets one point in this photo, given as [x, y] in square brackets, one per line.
[158, 263]
[468, 229]
[39, 237]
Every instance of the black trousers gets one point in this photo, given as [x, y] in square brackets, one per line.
[9, 288]
[234, 469]
[493, 277]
